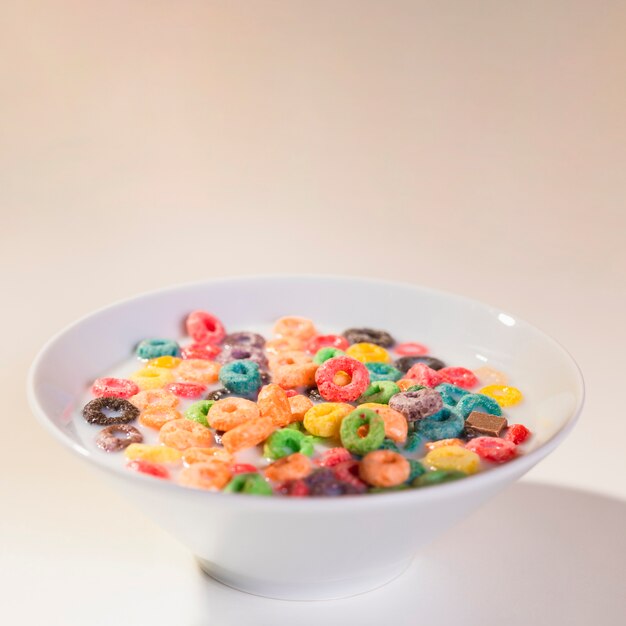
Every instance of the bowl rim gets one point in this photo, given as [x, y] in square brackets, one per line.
[494, 476]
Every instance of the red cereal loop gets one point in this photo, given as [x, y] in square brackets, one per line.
[327, 341]
[517, 433]
[147, 467]
[243, 468]
[333, 456]
[424, 375]
[203, 328]
[200, 351]
[459, 376]
[492, 449]
[348, 472]
[114, 387]
[411, 348]
[325, 379]
[185, 390]
[293, 488]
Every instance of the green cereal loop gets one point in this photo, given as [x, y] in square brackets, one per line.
[249, 483]
[350, 438]
[296, 426]
[417, 469]
[436, 477]
[286, 441]
[380, 392]
[450, 394]
[382, 371]
[323, 354]
[389, 444]
[413, 442]
[416, 387]
[198, 411]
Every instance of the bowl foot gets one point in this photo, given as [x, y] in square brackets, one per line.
[330, 589]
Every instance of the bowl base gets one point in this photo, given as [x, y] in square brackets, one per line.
[331, 589]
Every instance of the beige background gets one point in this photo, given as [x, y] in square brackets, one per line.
[477, 147]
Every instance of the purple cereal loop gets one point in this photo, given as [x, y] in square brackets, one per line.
[416, 405]
[108, 438]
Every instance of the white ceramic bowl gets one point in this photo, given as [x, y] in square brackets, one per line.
[313, 548]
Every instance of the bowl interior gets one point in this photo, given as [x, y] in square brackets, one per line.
[458, 330]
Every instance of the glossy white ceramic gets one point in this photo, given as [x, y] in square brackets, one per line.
[312, 548]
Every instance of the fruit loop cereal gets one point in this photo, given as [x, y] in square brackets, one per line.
[301, 413]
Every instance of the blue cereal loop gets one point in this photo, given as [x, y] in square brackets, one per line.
[477, 402]
[447, 423]
[450, 394]
[154, 348]
[242, 377]
[383, 371]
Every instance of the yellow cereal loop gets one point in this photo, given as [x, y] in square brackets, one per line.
[155, 454]
[368, 353]
[503, 394]
[167, 362]
[453, 458]
[152, 377]
[324, 420]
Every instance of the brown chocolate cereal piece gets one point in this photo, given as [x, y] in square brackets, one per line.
[117, 437]
[94, 411]
[485, 424]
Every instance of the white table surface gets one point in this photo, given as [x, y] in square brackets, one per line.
[477, 147]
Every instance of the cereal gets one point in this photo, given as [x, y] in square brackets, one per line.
[453, 457]
[329, 390]
[292, 467]
[324, 420]
[241, 377]
[362, 431]
[198, 371]
[229, 413]
[303, 414]
[198, 411]
[285, 442]
[211, 475]
[183, 433]
[251, 483]
[368, 353]
[154, 348]
[114, 387]
[117, 437]
[384, 468]
[416, 405]
[107, 411]
[248, 434]
[382, 371]
[154, 454]
[492, 449]
[369, 335]
[380, 392]
[155, 417]
[502, 394]
[152, 377]
[204, 328]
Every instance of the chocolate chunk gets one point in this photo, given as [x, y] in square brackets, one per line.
[482, 424]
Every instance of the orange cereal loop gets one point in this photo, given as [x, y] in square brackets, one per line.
[183, 433]
[290, 357]
[155, 417]
[274, 403]
[202, 455]
[248, 434]
[294, 326]
[433, 445]
[229, 413]
[396, 425]
[198, 371]
[292, 467]
[212, 475]
[384, 468]
[299, 406]
[152, 377]
[405, 383]
[283, 344]
[167, 361]
[291, 376]
[155, 398]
